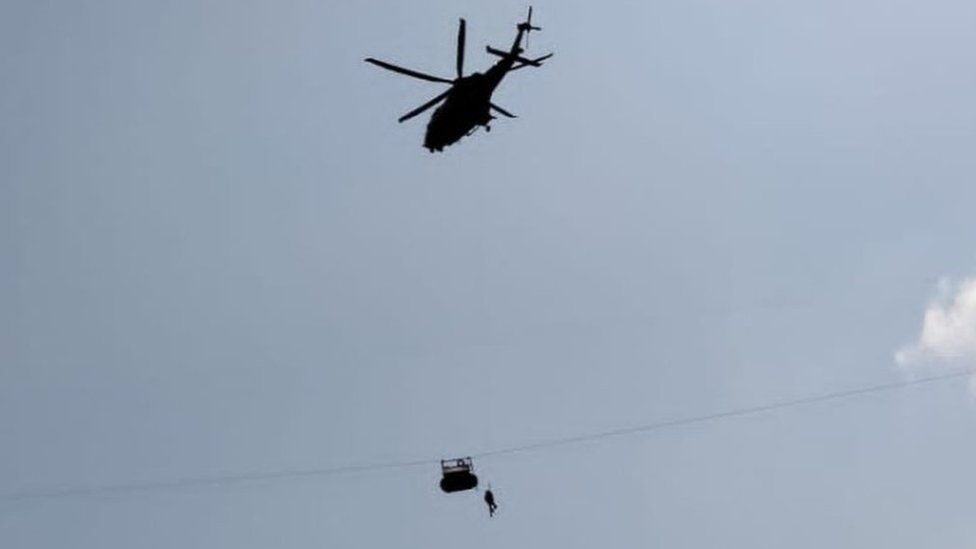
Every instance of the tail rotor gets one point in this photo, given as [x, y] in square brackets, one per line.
[528, 27]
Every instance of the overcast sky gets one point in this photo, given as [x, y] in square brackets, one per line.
[221, 254]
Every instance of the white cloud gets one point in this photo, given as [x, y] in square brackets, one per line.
[948, 328]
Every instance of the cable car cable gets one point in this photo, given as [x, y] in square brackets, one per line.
[750, 410]
[218, 480]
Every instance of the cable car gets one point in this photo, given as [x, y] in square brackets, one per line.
[458, 474]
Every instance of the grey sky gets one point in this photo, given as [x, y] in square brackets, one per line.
[222, 254]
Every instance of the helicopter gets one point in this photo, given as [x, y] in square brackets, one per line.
[467, 103]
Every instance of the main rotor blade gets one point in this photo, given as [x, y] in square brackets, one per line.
[408, 72]
[503, 111]
[424, 107]
[460, 50]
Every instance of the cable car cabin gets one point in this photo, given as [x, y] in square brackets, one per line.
[458, 475]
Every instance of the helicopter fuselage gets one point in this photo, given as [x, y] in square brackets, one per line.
[467, 106]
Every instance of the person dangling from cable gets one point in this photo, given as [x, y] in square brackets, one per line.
[490, 500]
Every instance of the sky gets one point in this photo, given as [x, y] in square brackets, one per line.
[222, 255]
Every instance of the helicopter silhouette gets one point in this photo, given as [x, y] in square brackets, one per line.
[467, 103]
